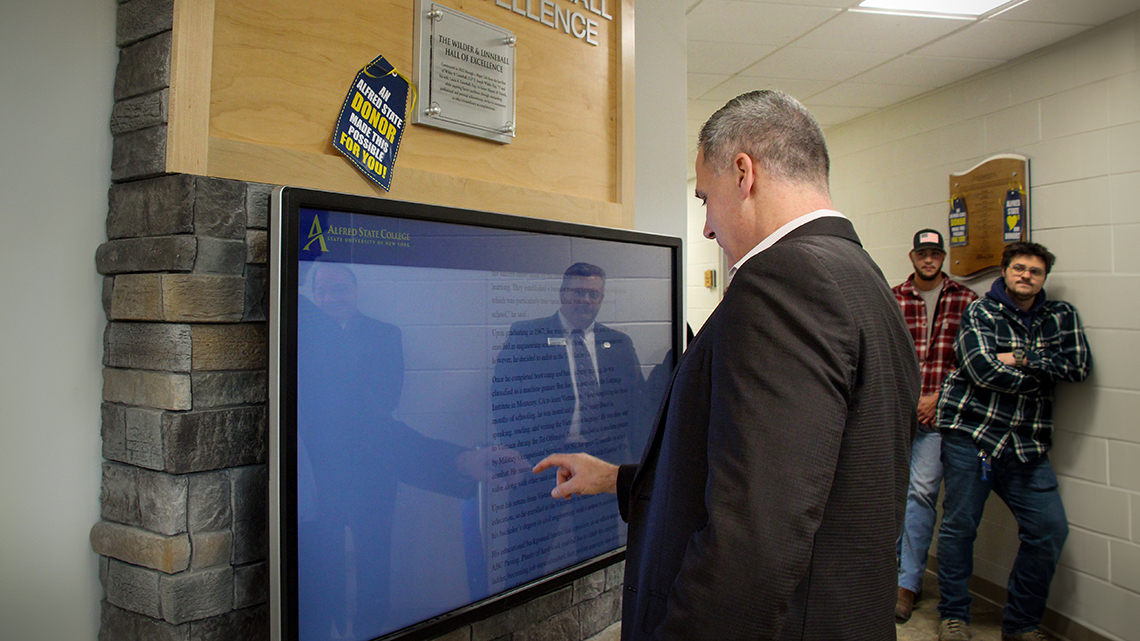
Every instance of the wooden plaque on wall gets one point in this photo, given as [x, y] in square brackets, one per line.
[984, 204]
[256, 87]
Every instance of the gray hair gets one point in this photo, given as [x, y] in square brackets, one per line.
[775, 130]
[582, 270]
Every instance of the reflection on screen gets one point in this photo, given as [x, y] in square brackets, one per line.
[429, 382]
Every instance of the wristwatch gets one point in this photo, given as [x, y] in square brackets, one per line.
[1019, 357]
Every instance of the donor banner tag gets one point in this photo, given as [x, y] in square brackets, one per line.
[371, 122]
[959, 229]
[1014, 210]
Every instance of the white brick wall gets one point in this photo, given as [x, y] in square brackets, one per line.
[1074, 110]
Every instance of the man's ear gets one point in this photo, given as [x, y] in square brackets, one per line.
[744, 172]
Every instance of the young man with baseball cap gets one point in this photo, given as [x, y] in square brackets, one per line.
[932, 305]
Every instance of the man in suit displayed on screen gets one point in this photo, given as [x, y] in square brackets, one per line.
[583, 373]
[770, 496]
[565, 381]
[354, 453]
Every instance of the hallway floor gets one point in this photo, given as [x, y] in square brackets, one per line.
[985, 619]
[923, 624]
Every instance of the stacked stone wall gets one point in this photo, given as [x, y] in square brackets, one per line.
[184, 500]
[183, 540]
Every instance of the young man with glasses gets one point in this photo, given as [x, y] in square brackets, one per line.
[996, 418]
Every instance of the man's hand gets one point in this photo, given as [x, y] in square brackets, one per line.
[580, 474]
[1007, 359]
[927, 408]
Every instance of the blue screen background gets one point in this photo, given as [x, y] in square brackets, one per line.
[420, 414]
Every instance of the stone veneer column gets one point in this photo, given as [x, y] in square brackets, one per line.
[183, 537]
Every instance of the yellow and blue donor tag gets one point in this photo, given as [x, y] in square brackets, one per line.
[959, 229]
[372, 120]
[1014, 214]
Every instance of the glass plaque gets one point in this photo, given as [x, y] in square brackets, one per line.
[465, 73]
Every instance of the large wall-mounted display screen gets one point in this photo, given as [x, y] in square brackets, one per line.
[423, 359]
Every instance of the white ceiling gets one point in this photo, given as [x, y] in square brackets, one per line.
[843, 64]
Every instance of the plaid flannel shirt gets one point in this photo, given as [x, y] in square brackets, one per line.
[935, 349]
[1003, 406]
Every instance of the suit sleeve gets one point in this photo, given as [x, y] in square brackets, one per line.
[783, 370]
[428, 463]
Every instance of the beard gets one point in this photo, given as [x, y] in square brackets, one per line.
[923, 277]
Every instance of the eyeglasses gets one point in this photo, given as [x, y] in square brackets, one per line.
[581, 293]
[1020, 269]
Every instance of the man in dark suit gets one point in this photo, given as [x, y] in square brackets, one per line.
[770, 497]
[580, 379]
[565, 381]
[351, 374]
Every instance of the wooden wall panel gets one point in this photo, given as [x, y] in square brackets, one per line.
[268, 164]
[191, 55]
[281, 69]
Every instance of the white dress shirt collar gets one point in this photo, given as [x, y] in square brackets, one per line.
[786, 229]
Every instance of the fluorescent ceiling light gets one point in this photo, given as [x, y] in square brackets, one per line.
[945, 7]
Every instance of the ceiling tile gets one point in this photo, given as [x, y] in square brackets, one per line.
[834, 4]
[1086, 12]
[828, 116]
[733, 87]
[926, 71]
[815, 64]
[723, 57]
[1000, 39]
[699, 83]
[843, 63]
[753, 22]
[853, 94]
[878, 32]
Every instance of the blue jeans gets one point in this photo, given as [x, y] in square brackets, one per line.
[921, 508]
[1030, 492]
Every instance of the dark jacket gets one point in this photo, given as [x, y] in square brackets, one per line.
[1006, 408]
[533, 392]
[768, 502]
